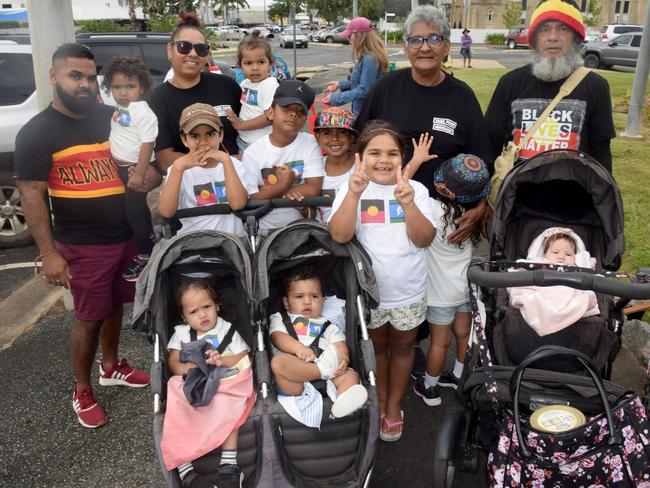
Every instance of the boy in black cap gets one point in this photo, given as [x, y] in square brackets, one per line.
[288, 162]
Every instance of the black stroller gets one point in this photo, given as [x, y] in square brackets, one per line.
[556, 188]
[273, 449]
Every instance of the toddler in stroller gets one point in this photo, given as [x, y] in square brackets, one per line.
[309, 347]
[550, 309]
[219, 398]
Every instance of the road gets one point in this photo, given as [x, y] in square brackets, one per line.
[327, 55]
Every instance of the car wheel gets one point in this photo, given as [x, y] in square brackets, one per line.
[592, 61]
[13, 227]
[512, 44]
[329, 40]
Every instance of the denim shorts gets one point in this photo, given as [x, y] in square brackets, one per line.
[243, 145]
[445, 315]
[403, 318]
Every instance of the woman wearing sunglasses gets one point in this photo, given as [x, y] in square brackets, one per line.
[425, 99]
[188, 53]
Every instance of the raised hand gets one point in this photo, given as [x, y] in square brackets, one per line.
[404, 192]
[214, 155]
[192, 159]
[358, 181]
[233, 119]
[421, 150]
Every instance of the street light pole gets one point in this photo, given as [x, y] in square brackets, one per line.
[639, 85]
[355, 8]
[386, 15]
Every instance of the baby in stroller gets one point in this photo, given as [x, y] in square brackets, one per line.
[211, 393]
[550, 309]
[308, 347]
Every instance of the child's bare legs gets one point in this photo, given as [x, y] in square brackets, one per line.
[394, 356]
[291, 373]
[441, 339]
[344, 381]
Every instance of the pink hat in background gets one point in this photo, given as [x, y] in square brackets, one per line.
[358, 24]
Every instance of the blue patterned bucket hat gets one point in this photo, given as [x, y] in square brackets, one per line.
[463, 179]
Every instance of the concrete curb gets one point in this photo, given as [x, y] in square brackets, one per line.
[21, 310]
[324, 44]
[636, 336]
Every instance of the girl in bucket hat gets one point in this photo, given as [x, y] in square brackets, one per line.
[337, 137]
[460, 183]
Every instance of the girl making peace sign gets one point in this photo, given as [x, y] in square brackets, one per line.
[392, 216]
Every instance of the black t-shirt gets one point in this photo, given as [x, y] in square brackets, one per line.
[168, 103]
[449, 111]
[581, 121]
[74, 157]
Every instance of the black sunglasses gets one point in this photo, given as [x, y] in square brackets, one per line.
[416, 42]
[185, 47]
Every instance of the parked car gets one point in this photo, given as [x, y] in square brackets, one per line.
[592, 36]
[286, 38]
[610, 31]
[227, 32]
[264, 32]
[276, 29]
[18, 104]
[314, 36]
[333, 35]
[621, 51]
[517, 37]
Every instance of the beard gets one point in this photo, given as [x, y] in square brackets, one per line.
[77, 105]
[554, 69]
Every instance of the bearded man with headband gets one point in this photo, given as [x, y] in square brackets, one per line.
[582, 120]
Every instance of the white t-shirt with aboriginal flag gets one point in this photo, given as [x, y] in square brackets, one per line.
[399, 265]
[303, 156]
[307, 330]
[206, 186]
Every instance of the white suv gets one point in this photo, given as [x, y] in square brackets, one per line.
[610, 31]
[18, 104]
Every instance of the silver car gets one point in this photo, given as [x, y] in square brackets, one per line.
[287, 38]
[621, 51]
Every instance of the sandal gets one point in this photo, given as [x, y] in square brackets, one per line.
[389, 425]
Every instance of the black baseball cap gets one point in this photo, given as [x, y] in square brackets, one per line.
[294, 91]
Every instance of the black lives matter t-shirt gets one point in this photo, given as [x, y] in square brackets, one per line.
[449, 112]
[74, 157]
[581, 121]
[168, 103]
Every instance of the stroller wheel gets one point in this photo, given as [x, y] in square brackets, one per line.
[444, 471]
[449, 447]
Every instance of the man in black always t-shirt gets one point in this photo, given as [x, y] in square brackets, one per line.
[64, 150]
[582, 120]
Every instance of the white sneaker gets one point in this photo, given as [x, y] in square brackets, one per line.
[328, 362]
[349, 401]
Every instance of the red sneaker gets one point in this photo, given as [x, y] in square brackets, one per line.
[121, 374]
[88, 411]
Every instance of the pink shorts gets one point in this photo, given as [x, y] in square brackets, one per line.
[97, 285]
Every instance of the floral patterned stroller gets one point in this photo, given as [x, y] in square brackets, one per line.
[556, 188]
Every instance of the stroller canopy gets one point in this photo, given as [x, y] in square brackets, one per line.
[565, 188]
[304, 240]
[202, 250]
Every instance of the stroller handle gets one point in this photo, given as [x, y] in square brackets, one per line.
[578, 280]
[258, 208]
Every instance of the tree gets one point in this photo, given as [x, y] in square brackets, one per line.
[281, 9]
[331, 10]
[512, 15]
[592, 15]
[371, 9]
[226, 5]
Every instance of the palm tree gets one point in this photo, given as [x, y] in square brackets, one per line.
[225, 5]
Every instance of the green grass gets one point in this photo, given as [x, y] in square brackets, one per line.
[631, 159]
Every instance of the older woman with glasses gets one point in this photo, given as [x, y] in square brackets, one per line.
[424, 99]
[188, 52]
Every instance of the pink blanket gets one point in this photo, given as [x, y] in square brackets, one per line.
[552, 308]
[191, 432]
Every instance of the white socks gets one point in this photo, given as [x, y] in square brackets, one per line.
[458, 369]
[430, 381]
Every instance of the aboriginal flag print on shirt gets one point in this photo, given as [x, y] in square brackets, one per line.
[210, 193]
[560, 131]
[301, 326]
[268, 176]
[372, 212]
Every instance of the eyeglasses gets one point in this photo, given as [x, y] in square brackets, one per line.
[185, 47]
[433, 40]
